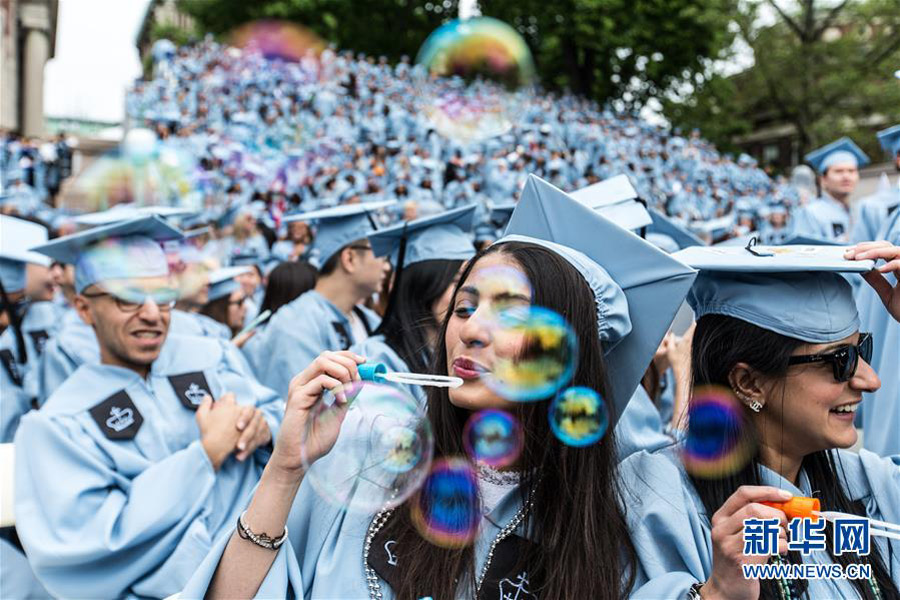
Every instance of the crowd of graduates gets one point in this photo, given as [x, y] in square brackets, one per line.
[160, 361]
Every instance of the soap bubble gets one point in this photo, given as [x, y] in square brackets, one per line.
[473, 77]
[446, 511]
[535, 353]
[278, 40]
[578, 416]
[717, 442]
[493, 437]
[383, 450]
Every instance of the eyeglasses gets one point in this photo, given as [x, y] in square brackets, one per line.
[844, 360]
[162, 302]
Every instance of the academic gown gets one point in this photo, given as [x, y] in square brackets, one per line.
[18, 378]
[640, 427]
[376, 350]
[824, 218]
[300, 331]
[870, 214]
[118, 497]
[671, 532]
[323, 556]
[881, 409]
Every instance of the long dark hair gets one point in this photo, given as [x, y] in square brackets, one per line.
[582, 545]
[719, 343]
[406, 323]
[286, 282]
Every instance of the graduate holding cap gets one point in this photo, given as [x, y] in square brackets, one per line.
[553, 521]
[139, 461]
[331, 316]
[428, 254]
[828, 216]
[780, 330]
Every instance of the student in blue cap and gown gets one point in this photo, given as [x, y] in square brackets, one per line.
[330, 316]
[872, 212]
[27, 327]
[226, 300]
[432, 251]
[565, 253]
[828, 216]
[136, 463]
[18, 356]
[783, 335]
[881, 408]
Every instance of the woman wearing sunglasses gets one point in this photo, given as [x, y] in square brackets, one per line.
[786, 342]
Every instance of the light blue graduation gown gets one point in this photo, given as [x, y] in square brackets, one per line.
[881, 409]
[18, 379]
[323, 557]
[102, 516]
[297, 333]
[671, 533]
[188, 323]
[640, 427]
[376, 350]
[824, 218]
[870, 215]
[73, 345]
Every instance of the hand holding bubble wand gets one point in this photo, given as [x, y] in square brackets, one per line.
[801, 508]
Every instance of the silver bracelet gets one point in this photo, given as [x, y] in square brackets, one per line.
[260, 539]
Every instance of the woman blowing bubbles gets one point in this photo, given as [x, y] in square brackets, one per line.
[557, 526]
[783, 335]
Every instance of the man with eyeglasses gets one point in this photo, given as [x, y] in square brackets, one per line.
[135, 464]
[330, 316]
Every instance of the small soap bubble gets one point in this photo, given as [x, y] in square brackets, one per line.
[578, 416]
[493, 437]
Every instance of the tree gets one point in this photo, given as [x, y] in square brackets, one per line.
[622, 50]
[822, 67]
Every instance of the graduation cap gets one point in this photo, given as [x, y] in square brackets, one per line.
[808, 240]
[120, 251]
[446, 236]
[127, 212]
[792, 290]
[650, 284]
[839, 151]
[617, 200]
[17, 238]
[340, 225]
[890, 140]
[222, 282]
[663, 225]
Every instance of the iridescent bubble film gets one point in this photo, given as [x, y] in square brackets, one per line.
[717, 442]
[493, 437]
[535, 353]
[142, 172]
[383, 449]
[503, 286]
[278, 40]
[473, 76]
[578, 416]
[446, 511]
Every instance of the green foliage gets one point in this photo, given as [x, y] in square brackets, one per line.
[823, 67]
[623, 50]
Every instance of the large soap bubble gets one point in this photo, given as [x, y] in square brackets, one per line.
[382, 453]
[473, 77]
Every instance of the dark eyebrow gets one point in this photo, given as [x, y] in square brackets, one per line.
[470, 289]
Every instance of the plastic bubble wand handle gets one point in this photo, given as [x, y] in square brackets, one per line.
[378, 373]
[799, 507]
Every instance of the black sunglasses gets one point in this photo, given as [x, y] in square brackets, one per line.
[844, 360]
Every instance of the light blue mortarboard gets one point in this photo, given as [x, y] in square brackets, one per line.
[796, 292]
[127, 212]
[222, 282]
[442, 237]
[339, 226]
[839, 151]
[665, 226]
[125, 250]
[617, 200]
[890, 140]
[17, 238]
[638, 288]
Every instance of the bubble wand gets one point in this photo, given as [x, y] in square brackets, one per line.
[378, 373]
[801, 508]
